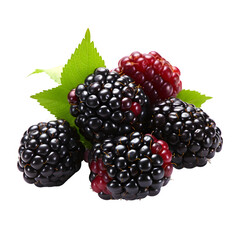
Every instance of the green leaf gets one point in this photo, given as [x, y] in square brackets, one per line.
[53, 73]
[83, 62]
[193, 97]
[55, 101]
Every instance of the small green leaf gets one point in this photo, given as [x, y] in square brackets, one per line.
[193, 97]
[55, 101]
[83, 62]
[53, 73]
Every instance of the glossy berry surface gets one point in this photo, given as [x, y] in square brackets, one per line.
[108, 105]
[159, 79]
[129, 167]
[50, 153]
[191, 134]
[72, 98]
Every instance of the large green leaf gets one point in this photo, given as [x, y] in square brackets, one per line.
[83, 62]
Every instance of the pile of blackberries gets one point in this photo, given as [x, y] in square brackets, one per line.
[137, 138]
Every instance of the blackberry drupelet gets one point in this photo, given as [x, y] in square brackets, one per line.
[107, 105]
[129, 167]
[50, 153]
[191, 134]
[159, 79]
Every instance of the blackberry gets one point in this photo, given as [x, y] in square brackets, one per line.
[50, 153]
[107, 105]
[191, 134]
[129, 167]
[159, 79]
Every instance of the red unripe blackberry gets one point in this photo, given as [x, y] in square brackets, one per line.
[50, 153]
[129, 167]
[192, 136]
[159, 79]
[107, 105]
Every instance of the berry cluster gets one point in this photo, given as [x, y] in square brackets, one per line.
[50, 153]
[129, 167]
[138, 128]
[157, 76]
[192, 135]
[107, 105]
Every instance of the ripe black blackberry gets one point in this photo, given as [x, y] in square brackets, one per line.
[129, 167]
[191, 134]
[107, 105]
[50, 153]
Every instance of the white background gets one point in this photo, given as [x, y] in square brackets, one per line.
[200, 37]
